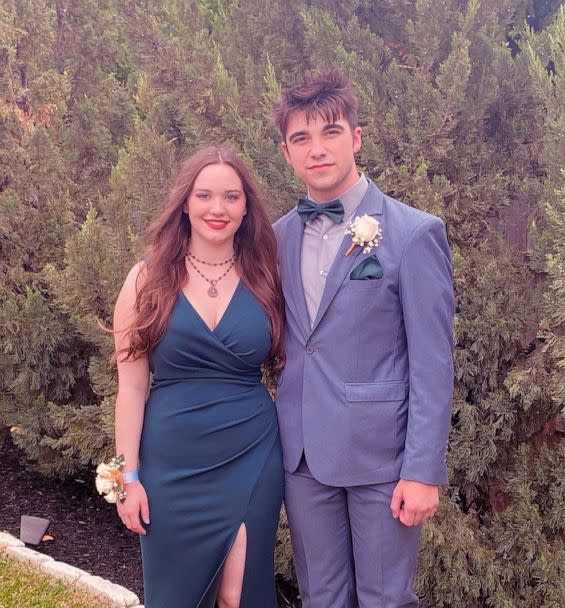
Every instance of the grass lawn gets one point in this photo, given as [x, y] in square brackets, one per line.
[23, 585]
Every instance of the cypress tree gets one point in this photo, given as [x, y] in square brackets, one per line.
[463, 116]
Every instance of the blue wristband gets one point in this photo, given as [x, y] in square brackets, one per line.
[131, 476]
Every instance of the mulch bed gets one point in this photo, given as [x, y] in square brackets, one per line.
[87, 531]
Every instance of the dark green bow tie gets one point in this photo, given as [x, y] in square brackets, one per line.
[308, 210]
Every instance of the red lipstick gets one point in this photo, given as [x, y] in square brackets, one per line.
[216, 224]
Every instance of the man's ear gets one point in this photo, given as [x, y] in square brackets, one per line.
[285, 152]
[357, 139]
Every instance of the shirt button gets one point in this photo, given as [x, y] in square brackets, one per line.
[325, 237]
[309, 349]
[322, 273]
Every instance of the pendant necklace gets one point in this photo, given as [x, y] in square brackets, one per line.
[212, 290]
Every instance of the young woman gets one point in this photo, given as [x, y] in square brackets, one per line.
[203, 312]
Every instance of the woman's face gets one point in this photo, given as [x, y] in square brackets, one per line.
[216, 205]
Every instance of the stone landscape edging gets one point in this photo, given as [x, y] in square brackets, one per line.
[116, 594]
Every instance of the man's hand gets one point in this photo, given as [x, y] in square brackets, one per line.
[414, 502]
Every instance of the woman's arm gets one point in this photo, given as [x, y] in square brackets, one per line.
[133, 382]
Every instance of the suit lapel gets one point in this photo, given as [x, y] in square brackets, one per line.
[372, 204]
[292, 278]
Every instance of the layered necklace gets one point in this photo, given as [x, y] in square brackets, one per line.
[212, 290]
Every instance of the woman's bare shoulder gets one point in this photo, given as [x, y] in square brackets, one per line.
[136, 277]
[132, 284]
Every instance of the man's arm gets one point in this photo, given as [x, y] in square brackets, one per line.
[426, 294]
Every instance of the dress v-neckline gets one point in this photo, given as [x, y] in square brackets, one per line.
[210, 329]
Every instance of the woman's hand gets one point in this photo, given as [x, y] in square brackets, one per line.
[134, 506]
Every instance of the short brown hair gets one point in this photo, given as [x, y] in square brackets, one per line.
[327, 93]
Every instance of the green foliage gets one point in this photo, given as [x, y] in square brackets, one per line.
[462, 109]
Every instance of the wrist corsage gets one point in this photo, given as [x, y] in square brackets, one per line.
[365, 231]
[110, 480]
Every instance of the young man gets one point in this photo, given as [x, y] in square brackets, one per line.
[364, 403]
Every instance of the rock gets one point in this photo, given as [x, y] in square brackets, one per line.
[7, 540]
[64, 571]
[28, 555]
[115, 593]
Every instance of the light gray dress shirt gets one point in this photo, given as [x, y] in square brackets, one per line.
[320, 243]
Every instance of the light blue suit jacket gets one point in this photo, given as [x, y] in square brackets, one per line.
[366, 392]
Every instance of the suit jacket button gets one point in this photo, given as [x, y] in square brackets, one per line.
[310, 349]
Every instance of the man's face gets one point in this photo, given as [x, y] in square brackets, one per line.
[322, 154]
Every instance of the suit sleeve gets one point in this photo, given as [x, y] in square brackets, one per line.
[426, 295]
[277, 228]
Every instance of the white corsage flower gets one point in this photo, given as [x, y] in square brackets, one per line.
[365, 232]
[109, 479]
[104, 483]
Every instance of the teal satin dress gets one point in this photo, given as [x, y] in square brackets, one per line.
[210, 457]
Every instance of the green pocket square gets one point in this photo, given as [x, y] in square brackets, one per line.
[369, 268]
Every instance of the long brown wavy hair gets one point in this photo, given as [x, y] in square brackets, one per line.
[164, 271]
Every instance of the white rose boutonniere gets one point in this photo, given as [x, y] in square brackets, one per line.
[365, 232]
[110, 481]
